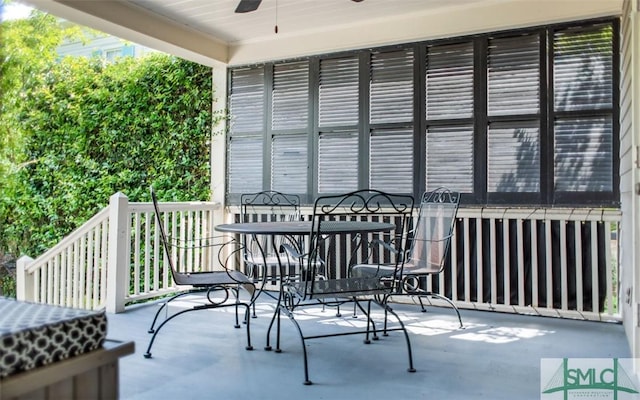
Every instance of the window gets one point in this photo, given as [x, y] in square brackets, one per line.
[583, 103]
[525, 117]
[513, 116]
[391, 105]
[246, 131]
[289, 127]
[449, 93]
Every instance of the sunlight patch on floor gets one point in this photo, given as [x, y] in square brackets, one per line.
[502, 334]
[434, 327]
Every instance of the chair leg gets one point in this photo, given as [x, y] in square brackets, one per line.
[370, 322]
[155, 333]
[438, 296]
[406, 336]
[164, 305]
[304, 346]
[147, 354]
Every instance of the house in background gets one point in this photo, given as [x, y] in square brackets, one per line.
[106, 46]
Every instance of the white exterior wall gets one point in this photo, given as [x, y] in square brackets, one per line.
[629, 291]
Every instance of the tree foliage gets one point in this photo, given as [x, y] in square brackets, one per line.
[90, 129]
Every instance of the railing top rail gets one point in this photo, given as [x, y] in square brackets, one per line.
[100, 217]
[175, 206]
[559, 213]
[533, 213]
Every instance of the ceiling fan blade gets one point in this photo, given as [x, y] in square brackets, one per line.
[357, 1]
[248, 6]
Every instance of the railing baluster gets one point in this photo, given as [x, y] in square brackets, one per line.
[609, 272]
[102, 283]
[595, 280]
[479, 263]
[147, 255]
[136, 253]
[454, 266]
[548, 263]
[467, 260]
[492, 261]
[534, 264]
[564, 286]
[578, 258]
[522, 278]
[506, 254]
[152, 244]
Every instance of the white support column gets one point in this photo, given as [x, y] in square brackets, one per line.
[219, 136]
[118, 253]
[631, 244]
[24, 280]
[219, 146]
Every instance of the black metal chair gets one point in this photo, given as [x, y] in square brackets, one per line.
[221, 287]
[342, 227]
[263, 255]
[428, 245]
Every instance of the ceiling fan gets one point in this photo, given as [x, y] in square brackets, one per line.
[246, 6]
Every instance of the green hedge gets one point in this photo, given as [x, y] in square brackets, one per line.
[92, 129]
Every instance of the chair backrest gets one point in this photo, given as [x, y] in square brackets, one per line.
[269, 205]
[363, 205]
[432, 232]
[163, 235]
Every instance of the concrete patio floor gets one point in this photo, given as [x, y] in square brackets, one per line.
[199, 355]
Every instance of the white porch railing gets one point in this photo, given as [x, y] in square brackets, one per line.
[115, 258]
[560, 262]
[553, 262]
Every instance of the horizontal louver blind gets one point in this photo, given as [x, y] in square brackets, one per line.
[514, 75]
[391, 87]
[583, 154]
[245, 164]
[582, 69]
[337, 162]
[513, 163]
[246, 101]
[391, 165]
[450, 157]
[289, 163]
[449, 81]
[290, 96]
[338, 92]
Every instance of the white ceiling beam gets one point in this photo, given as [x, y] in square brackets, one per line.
[135, 24]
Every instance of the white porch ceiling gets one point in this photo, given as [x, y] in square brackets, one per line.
[210, 32]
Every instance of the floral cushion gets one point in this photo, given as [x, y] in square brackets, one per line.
[33, 335]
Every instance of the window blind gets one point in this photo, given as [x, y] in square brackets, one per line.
[391, 155]
[583, 154]
[244, 168]
[449, 81]
[450, 156]
[289, 163]
[338, 92]
[246, 100]
[583, 68]
[337, 162]
[391, 87]
[290, 96]
[513, 75]
[513, 157]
